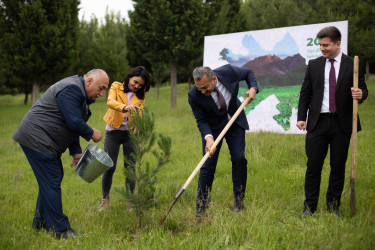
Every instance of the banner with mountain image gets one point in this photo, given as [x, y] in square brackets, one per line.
[278, 58]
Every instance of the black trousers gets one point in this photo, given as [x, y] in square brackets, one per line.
[113, 140]
[327, 133]
[235, 138]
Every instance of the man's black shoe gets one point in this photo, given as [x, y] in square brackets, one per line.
[39, 226]
[305, 213]
[333, 207]
[200, 212]
[69, 233]
[239, 206]
[335, 211]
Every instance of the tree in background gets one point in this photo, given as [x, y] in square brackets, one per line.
[225, 17]
[136, 40]
[143, 172]
[102, 47]
[261, 14]
[361, 18]
[39, 40]
[87, 50]
[168, 33]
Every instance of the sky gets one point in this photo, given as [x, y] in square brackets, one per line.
[98, 8]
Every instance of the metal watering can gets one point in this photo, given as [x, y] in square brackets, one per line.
[93, 163]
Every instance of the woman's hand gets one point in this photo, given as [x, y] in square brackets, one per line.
[131, 108]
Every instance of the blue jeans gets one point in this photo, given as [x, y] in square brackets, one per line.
[49, 174]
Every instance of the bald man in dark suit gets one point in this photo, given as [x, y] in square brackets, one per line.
[326, 102]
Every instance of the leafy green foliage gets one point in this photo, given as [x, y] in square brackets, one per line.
[166, 34]
[225, 16]
[102, 46]
[288, 97]
[38, 40]
[287, 103]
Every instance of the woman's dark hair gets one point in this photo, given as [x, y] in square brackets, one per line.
[141, 72]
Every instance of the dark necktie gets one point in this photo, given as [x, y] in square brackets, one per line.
[332, 87]
[221, 99]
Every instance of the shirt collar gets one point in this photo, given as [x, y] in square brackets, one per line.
[88, 100]
[337, 58]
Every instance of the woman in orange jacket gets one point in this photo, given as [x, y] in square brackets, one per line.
[125, 97]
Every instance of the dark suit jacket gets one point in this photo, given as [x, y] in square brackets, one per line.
[209, 118]
[311, 96]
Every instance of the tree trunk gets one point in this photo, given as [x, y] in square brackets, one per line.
[173, 86]
[367, 71]
[138, 210]
[139, 217]
[26, 94]
[189, 82]
[158, 88]
[35, 93]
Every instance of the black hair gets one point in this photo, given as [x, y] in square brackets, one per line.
[141, 72]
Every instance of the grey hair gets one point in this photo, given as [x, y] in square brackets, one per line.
[95, 73]
[199, 72]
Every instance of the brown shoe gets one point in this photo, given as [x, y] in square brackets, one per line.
[104, 205]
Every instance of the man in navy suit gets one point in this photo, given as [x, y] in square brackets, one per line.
[327, 95]
[213, 100]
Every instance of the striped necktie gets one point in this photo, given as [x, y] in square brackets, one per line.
[220, 97]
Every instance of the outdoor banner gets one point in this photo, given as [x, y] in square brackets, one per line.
[279, 59]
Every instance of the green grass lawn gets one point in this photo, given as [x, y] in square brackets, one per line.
[274, 197]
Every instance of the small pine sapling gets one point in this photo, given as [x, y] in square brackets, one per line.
[141, 170]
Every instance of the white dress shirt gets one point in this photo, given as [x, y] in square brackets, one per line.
[224, 91]
[226, 94]
[336, 64]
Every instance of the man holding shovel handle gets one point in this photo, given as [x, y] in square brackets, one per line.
[213, 100]
[327, 96]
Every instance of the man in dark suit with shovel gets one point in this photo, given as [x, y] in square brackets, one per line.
[213, 100]
[326, 99]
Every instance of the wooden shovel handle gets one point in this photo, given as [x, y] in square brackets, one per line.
[355, 116]
[354, 139]
[217, 141]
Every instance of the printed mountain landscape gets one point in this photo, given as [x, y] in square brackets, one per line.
[282, 66]
[271, 71]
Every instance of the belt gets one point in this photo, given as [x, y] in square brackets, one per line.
[328, 115]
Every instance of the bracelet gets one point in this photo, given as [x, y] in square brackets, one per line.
[123, 109]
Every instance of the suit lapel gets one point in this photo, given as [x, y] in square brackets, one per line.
[343, 68]
[212, 103]
[321, 67]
